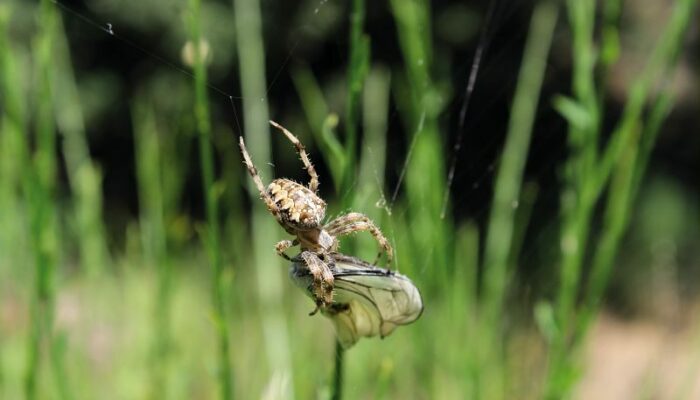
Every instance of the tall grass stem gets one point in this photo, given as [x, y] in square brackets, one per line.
[147, 147]
[507, 193]
[337, 388]
[212, 241]
[618, 167]
[265, 262]
[358, 66]
[40, 184]
[84, 177]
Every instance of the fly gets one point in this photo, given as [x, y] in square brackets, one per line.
[367, 300]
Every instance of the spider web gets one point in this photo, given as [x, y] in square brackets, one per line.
[476, 128]
[474, 122]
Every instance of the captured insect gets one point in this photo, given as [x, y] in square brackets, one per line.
[300, 211]
[368, 301]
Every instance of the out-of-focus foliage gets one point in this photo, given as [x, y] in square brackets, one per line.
[136, 261]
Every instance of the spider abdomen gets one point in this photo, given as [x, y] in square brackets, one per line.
[299, 207]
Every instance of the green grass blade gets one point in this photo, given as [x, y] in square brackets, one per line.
[420, 103]
[514, 156]
[318, 117]
[631, 167]
[84, 177]
[13, 131]
[154, 239]
[212, 240]
[40, 183]
[370, 196]
[501, 230]
[266, 264]
[621, 161]
[358, 66]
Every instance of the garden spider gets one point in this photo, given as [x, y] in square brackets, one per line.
[301, 211]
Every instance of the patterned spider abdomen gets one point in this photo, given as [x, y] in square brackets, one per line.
[299, 207]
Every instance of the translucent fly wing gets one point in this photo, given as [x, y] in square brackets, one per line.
[392, 295]
[372, 305]
[367, 301]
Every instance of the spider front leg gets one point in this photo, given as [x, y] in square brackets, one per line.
[313, 184]
[356, 222]
[269, 201]
[283, 245]
[322, 285]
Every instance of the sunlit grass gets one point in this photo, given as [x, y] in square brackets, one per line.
[84, 176]
[211, 234]
[147, 142]
[39, 182]
[277, 345]
[590, 171]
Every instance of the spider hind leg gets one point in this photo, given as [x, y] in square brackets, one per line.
[322, 284]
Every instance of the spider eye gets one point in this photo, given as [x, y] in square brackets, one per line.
[307, 218]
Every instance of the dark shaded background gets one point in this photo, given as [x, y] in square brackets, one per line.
[145, 53]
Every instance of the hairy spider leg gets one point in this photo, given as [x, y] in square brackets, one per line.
[269, 202]
[283, 245]
[313, 184]
[356, 222]
[322, 285]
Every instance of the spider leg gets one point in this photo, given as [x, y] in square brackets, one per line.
[313, 184]
[269, 202]
[356, 222]
[322, 285]
[283, 245]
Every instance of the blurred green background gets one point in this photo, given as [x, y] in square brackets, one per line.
[534, 165]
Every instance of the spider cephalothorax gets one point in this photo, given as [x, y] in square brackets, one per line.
[301, 211]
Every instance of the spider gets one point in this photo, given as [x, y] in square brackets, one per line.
[300, 211]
